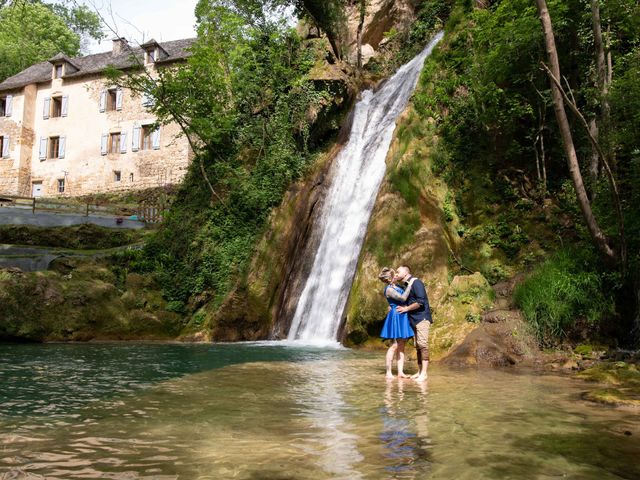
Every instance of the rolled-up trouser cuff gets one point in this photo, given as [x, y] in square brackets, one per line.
[422, 339]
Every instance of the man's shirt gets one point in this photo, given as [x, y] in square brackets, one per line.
[418, 294]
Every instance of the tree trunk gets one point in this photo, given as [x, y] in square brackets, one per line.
[594, 164]
[597, 236]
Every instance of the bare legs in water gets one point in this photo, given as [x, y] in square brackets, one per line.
[396, 350]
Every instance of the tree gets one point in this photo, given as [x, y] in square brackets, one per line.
[597, 235]
[32, 31]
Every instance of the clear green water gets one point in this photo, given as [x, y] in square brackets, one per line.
[131, 411]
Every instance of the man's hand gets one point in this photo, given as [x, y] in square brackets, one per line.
[408, 308]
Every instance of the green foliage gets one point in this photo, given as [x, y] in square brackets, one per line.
[33, 31]
[563, 289]
[244, 101]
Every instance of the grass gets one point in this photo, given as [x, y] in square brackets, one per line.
[561, 290]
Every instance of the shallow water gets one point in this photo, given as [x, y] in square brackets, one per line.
[275, 412]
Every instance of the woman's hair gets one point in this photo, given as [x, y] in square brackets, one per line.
[386, 274]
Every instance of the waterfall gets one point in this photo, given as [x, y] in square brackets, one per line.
[360, 168]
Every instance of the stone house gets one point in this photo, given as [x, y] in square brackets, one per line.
[66, 131]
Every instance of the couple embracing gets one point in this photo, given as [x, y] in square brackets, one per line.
[408, 316]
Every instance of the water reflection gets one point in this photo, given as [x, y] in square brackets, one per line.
[329, 441]
[404, 430]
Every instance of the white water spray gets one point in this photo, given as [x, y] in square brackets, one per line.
[360, 168]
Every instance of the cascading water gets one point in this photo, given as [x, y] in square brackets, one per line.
[360, 168]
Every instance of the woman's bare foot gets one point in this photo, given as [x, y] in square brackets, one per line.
[389, 376]
[402, 375]
[420, 378]
[415, 375]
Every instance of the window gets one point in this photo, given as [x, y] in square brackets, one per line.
[3, 107]
[54, 147]
[146, 141]
[131, 177]
[57, 71]
[151, 56]
[61, 185]
[112, 99]
[4, 146]
[117, 176]
[114, 142]
[56, 106]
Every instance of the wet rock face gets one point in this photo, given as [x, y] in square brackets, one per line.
[263, 306]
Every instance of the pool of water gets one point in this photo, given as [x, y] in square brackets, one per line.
[269, 411]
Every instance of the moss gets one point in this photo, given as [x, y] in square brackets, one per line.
[82, 304]
[622, 382]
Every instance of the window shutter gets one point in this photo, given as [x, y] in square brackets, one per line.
[148, 101]
[43, 148]
[65, 105]
[47, 108]
[61, 145]
[119, 99]
[135, 139]
[8, 105]
[5, 146]
[103, 101]
[103, 144]
[123, 142]
[155, 139]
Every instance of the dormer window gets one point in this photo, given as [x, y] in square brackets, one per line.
[57, 71]
[152, 55]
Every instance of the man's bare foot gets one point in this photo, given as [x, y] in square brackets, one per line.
[414, 376]
[402, 375]
[389, 376]
[420, 378]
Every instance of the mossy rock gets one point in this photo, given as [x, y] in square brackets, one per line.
[622, 380]
[616, 397]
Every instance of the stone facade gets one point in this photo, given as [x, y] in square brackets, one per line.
[61, 134]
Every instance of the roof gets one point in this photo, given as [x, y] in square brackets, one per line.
[97, 63]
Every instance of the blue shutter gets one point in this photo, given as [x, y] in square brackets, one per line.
[61, 146]
[135, 139]
[47, 108]
[103, 101]
[65, 105]
[43, 148]
[8, 102]
[155, 138]
[119, 99]
[5, 146]
[103, 144]
[123, 142]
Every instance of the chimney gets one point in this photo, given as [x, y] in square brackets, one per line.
[119, 45]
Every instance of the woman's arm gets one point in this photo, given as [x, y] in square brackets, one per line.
[393, 293]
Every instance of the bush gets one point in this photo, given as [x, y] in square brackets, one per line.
[562, 289]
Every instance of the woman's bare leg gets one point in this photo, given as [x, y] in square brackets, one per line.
[391, 352]
[400, 356]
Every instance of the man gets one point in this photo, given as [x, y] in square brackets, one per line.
[420, 317]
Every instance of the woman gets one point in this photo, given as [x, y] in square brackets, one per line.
[396, 325]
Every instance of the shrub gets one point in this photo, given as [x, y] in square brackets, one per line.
[562, 289]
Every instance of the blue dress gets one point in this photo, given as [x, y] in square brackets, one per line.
[396, 325]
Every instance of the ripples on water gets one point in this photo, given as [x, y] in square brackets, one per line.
[272, 412]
